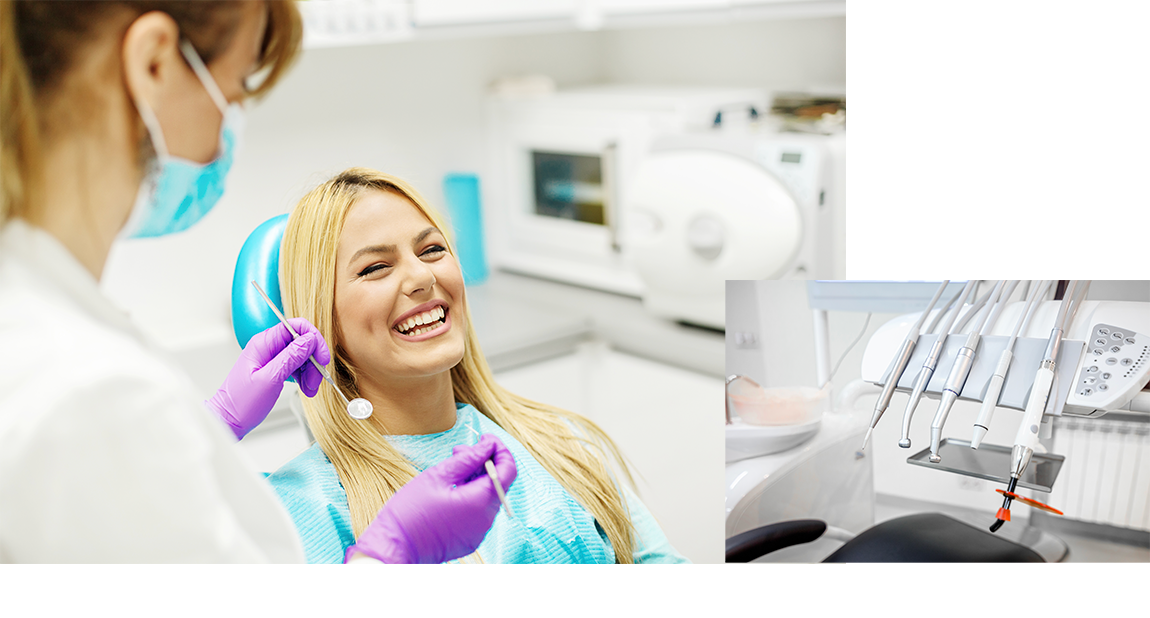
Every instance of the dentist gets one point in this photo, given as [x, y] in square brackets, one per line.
[121, 120]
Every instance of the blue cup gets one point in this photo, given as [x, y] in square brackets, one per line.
[462, 194]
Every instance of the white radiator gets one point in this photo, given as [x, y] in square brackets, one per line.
[1106, 476]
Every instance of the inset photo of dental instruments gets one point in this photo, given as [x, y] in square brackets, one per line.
[1031, 442]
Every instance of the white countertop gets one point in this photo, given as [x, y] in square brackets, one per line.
[520, 319]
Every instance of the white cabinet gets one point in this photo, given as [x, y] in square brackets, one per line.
[667, 422]
[335, 23]
[657, 6]
[460, 12]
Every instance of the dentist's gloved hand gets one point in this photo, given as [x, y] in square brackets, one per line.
[255, 381]
[443, 513]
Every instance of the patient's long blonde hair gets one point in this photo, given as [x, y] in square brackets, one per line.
[370, 469]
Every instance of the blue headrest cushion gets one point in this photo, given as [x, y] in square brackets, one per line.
[259, 261]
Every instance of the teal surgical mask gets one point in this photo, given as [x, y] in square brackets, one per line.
[176, 192]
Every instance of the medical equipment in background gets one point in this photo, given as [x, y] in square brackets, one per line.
[634, 190]
[768, 421]
[820, 477]
[961, 369]
[930, 363]
[990, 398]
[899, 362]
[731, 202]
[921, 537]
[1097, 362]
[561, 162]
[1026, 440]
[357, 408]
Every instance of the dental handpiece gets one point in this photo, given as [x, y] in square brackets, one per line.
[1026, 439]
[490, 467]
[357, 408]
[994, 388]
[930, 363]
[956, 379]
[899, 362]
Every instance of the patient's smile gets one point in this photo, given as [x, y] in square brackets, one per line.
[430, 322]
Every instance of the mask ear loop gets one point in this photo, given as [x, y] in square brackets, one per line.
[153, 125]
[202, 72]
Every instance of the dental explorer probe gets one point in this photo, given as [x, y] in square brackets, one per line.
[900, 360]
[357, 408]
[930, 363]
[956, 379]
[1027, 437]
[490, 467]
[994, 388]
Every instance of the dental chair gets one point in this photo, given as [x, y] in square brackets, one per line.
[922, 537]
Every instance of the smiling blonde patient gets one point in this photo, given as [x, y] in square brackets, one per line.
[367, 261]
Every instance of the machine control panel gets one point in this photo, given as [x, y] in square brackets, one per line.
[797, 165]
[1114, 367]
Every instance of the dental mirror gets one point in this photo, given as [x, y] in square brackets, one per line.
[357, 408]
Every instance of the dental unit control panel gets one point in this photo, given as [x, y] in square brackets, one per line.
[1116, 359]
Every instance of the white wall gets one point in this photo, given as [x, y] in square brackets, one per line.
[415, 109]
[781, 319]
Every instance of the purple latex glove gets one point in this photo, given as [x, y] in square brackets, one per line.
[256, 380]
[443, 513]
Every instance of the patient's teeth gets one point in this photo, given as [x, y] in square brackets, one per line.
[428, 320]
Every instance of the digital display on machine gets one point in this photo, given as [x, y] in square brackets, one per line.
[792, 157]
[568, 186]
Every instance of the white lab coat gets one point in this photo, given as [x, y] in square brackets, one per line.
[106, 454]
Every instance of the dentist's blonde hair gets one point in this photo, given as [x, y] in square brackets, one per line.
[370, 469]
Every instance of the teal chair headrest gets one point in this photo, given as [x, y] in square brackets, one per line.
[259, 261]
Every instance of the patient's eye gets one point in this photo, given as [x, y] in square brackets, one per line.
[373, 268]
[433, 250]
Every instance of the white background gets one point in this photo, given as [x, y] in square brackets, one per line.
[998, 140]
[1014, 131]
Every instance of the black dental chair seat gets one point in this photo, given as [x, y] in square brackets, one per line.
[923, 537]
